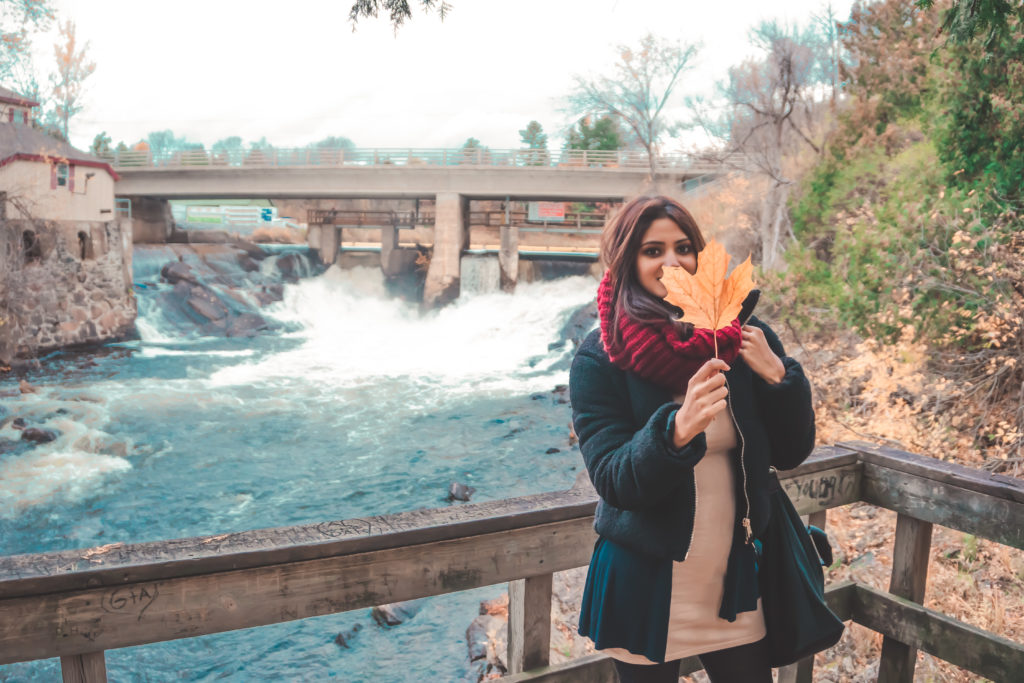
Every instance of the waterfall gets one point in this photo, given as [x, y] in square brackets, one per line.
[481, 274]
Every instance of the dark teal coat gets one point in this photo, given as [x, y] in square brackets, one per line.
[645, 516]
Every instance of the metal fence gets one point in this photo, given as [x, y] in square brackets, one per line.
[425, 157]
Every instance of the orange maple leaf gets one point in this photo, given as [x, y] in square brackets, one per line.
[709, 299]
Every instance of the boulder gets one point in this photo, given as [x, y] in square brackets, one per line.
[27, 388]
[289, 265]
[246, 325]
[269, 294]
[497, 607]
[37, 435]
[396, 612]
[459, 491]
[344, 638]
[251, 249]
[248, 263]
[579, 324]
[206, 304]
[480, 633]
[177, 271]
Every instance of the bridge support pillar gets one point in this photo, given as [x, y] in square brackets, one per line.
[508, 257]
[330, 241]
[152, 222]
[388, 244]
[451, 237]
[313, 233]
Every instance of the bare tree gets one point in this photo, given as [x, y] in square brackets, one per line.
[768, 109]
[72, 70]
[398, 10]
[828, 28]
[641, 85]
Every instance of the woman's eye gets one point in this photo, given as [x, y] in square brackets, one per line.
[652, 251]
[683, 249]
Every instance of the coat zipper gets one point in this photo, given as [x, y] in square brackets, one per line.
[694, 523]
[743, 466]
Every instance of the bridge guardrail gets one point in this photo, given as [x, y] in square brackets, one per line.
[410, 157]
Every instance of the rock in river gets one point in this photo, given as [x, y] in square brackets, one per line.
[459, 491]
[38, 435]
[396, 612]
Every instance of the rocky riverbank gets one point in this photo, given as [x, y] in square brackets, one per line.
[219, 289]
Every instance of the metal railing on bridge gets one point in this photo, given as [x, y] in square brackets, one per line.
[413, 157]
[573, 222]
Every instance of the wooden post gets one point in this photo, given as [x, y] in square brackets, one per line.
[529, 623]
[803, 671]
[88, 668]
[909, 579]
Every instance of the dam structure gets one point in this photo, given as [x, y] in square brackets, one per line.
[449, 178]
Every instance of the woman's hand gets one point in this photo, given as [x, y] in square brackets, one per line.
[705, 398]
[759, 356]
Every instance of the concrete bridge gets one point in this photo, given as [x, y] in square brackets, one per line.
[452, 178]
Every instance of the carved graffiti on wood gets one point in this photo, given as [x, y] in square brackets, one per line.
[821, 488]
[131, 599]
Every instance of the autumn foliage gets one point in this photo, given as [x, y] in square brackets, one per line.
[708, 298]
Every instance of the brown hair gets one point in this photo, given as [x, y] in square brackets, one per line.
[620, 245]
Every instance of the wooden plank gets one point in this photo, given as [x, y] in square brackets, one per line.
[122, 564]
[986, 654]
[77, 622]
[997, 485]
[598, 668]
[911, 549]
[90, 667]
[934, 500]
[529, 623]
[819, 489]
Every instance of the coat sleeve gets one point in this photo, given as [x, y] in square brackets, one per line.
[631, 469]
[786, 409]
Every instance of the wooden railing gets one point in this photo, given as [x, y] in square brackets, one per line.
[412, 157]
[77, 604]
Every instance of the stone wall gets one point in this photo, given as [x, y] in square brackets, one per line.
[64, 283]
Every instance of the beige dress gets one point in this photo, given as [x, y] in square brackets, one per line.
[694, 626]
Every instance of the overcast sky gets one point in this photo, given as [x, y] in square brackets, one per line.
[296, 73]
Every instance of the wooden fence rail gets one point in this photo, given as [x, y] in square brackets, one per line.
[77, 604]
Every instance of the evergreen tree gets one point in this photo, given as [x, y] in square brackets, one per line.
[101, 145]
[603, 134]
[535, 140]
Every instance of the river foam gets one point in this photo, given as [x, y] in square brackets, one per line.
[353, 332]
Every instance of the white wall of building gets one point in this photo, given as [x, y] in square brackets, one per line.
[87, 195]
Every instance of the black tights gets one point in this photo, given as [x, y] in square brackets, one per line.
[742, 664]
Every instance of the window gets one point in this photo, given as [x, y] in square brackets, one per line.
[62, 175]
[31, 249]
[84, 246]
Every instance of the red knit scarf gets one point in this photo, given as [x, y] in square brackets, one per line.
[654, 350]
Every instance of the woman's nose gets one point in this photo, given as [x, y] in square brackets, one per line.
[671, 260]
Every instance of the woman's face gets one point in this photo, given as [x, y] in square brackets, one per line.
[664, 244]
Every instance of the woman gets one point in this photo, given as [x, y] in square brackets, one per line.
[678, 445]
